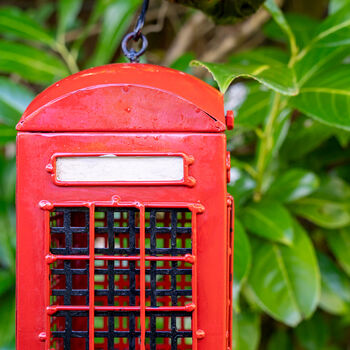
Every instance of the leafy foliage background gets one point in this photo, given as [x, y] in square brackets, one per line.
[288, 81]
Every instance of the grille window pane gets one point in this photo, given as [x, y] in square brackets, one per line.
[117, 283]
[70, 330]
[168, 331]
[69, 228]
[168, 283]
[168, 232]
[113, 327]
[117, 231]
[70, 282]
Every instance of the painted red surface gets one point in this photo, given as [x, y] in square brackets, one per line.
[88, 113]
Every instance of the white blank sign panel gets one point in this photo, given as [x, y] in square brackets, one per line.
[112, 168]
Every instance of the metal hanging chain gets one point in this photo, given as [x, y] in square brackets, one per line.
[136, 35]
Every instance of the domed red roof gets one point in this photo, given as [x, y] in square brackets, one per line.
[126, 97]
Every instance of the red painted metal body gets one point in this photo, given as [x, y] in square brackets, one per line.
[124, 109]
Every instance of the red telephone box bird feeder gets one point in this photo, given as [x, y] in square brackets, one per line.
[124, 223]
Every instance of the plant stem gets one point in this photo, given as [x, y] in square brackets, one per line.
[67, 57]
[266, 145]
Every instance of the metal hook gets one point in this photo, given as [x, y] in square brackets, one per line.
[136, 35]
[132, 54]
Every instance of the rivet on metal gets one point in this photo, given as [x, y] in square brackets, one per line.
[46, 205]
[49, 168]
[42, 336]
[200, 334]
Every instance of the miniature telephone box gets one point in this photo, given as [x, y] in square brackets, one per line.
[124, 223]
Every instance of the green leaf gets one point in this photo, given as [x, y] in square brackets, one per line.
[304, 136]
[285, 280]
[14, 99]
[263, 65]
[7, 319]
[339, 243]
[242, 260]
[270, 220]
[335, 296]
[336, 5]
[279, 18]
[322, 212]
[16, 22]
[116, 20]
[280, 340]
[334, 30]
[182, 63]
[30, 63]
[241, 187]
[254, 108]
[67, 13]
[7, 134]
[313, 334]
[292, 185]
[7, 280]
[7, 243]
[326, 97]
[246, 331]
[302, 26]
[333, 188]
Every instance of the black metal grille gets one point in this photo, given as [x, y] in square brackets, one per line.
[69, 229]
[117, 282]
[168, 283]
[115, 327]
[70, 282]
[118, 231]
[165, 232]
[70, 330]
[168, 328]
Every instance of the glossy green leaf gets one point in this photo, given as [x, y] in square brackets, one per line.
[241, 186]
[14, 99]
[263, 65]
[246, 331]
[270, 220]
[30, 63]
[336, 5]
[16, 22]
[254, 108]
[279, 18]
[67, 13]
[326, 97]
[293, 184]
[182, 63]
[285, 280]
[339, 243]
[7, 242]
[7, 134]
[242, 260]
[7, 280]
[334, 30]
[116, 20]
[313, 334]
[302, 26]
[335, 296]
[322, 212]
[7, 319]
[280, 340]
[334, 189]
[303, 137]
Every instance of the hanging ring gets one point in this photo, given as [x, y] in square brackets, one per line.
[132, 54]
